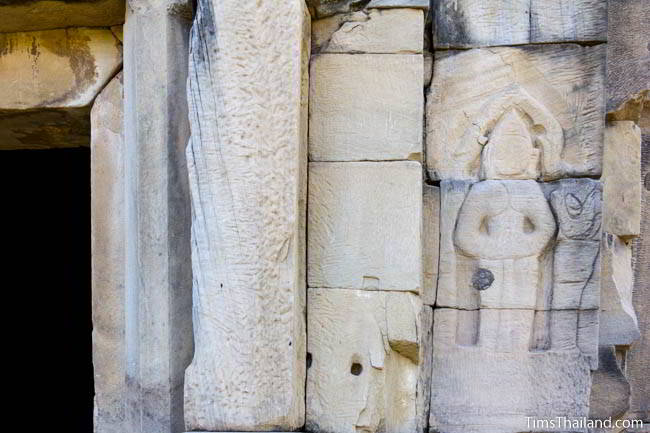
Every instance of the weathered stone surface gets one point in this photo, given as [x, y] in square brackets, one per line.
[364, 225]
[628, 60]
[365, 350]
[610, 391]
[469, 392]
[27, 15]
[54, 76]
[373, 31]
[545, 100]
[247, 161]
[467, 23]
[638, 358]
[56, 68]
[430, 243]
[365, 107]
[325, 8]
[158, 305]
[622, 179]
[108, 259]
[618, 321]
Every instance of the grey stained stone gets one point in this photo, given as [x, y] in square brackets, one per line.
[325, 8]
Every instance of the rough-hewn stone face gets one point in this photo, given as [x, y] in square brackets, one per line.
[247, 166]
[325, 8]
[467, 23]
[54, 76]
[364, 225]
[108, 258]
[365, 107]
[364, 348]
[372, 31]
[552, 93]
[622, 179]
[26, 15]
[430, 243]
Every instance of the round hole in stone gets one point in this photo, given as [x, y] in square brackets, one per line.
[356, 369]
[308, 359]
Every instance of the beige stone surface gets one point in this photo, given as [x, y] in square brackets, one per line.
[467, 23]
[430, 243]
[56, 68]
[373, 31]
[622, 179]
[487, 382]
[365, 107]
[618, 320]
[247, 163]
[366, 352]
[108, 258]
[51, 78]
[364, 225]
[158, 305]
[550, 96]
[27, 15]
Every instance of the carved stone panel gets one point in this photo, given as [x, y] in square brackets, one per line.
[516, 331]
[543, 103]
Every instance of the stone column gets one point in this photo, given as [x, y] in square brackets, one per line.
[158, 269]
[107, 228]
[247, 167]
[513, 135]
[368, 330]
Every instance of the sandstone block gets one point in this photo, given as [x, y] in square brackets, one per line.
[610, 391]
[364, 225]
[27, 15]
[618, 321]
[467, 24]
[366, 351]
[550, 96]
[54, 76]
[108, 258]
[470, 361]
[325, 8]
[430, 243]
[56, 68]
[247, 176]
[366, 107]
[622, 179]
[373, 31]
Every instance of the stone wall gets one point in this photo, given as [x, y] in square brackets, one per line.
[352, 216]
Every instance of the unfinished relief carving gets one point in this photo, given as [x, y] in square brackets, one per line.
[518, 285]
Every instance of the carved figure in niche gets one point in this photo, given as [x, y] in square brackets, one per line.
[506, 224]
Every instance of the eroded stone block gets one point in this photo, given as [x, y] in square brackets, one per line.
[467, 23]
[54, 76]
[325, 8]
[622, 179]
[365, 107]
[364, 225]
[27, 15]
[469, 392]
[56, 68]
[372, 31]
[247, 174]
[430, 243]
[550, 96]
[618, 321]
[366, 351]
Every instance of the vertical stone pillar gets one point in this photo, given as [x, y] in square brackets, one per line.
[369, 332]
[107, 228]
[514, 134]
[158, 269]
[247, 167]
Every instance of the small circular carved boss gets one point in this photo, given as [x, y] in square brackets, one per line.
[482, 279]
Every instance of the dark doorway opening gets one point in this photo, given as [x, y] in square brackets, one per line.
[46, 208]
